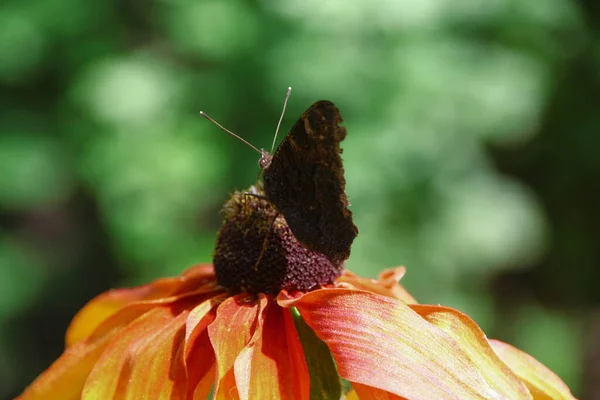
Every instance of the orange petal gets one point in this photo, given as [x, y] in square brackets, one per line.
[380, 342]
[65, 378]
[363, 392]
[205, 385]
[387, 284]
[145, 360]
[542, 383]
[272, 365]
[473, 341]
[199, 357]
[229, 333]
[108, 303]
[132, 311]
[297, 361]
[199, 272]
[68, 374]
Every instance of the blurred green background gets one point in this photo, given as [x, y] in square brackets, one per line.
[472, 154]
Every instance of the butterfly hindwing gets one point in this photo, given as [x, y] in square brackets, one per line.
[305, 181]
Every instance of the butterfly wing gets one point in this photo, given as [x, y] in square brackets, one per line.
[305, 181]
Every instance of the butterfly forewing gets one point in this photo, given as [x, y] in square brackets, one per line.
[305, 181]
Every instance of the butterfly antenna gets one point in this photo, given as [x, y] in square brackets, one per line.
[205, 115]
[287, 96]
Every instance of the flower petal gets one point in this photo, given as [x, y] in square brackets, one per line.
[473, 341]
[352, 395]
[364, 392]
[108, 303]
[272, 364]
[65, 378]
[297, 361]
[130, 312]
[199, 272]
[386, 284]
[380, 342]
[229, 333]
[146, 359]
[100, 321]
[542, 383]
[199, 358]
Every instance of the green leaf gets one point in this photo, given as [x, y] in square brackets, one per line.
[324, 379]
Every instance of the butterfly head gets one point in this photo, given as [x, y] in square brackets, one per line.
[265, 159]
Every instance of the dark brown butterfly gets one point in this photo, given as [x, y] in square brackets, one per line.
[304, 180]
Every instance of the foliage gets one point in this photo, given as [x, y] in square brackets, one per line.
[108, 176]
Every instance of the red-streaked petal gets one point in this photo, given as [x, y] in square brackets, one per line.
[272, 365]
[199, 276]
[110, 302]
[199, 272]
[370, 393]
[65, 378]
[132, 311]
[473, 341]
[229, 333]
[542, 383]
[242, 366]
[205, 385]
[386, 284]
[297, 361]
[145, 360]
[380, 342]
[199, 357]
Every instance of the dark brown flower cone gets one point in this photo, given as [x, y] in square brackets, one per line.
[252, 225]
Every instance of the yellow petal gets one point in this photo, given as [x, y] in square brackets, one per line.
[65, 378]
[473, 341]
[229, 333]
[145, 360]
[386, 284]
[196, 279]
[542, 383]
[199, 358]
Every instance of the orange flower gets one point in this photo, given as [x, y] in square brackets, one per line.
[273, 320]
[180, 338]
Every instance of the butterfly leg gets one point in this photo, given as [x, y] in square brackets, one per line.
[253, 193]
[258, 184]
[265, 242]
[256, 195]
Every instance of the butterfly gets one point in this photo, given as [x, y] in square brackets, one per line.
[304, 180]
